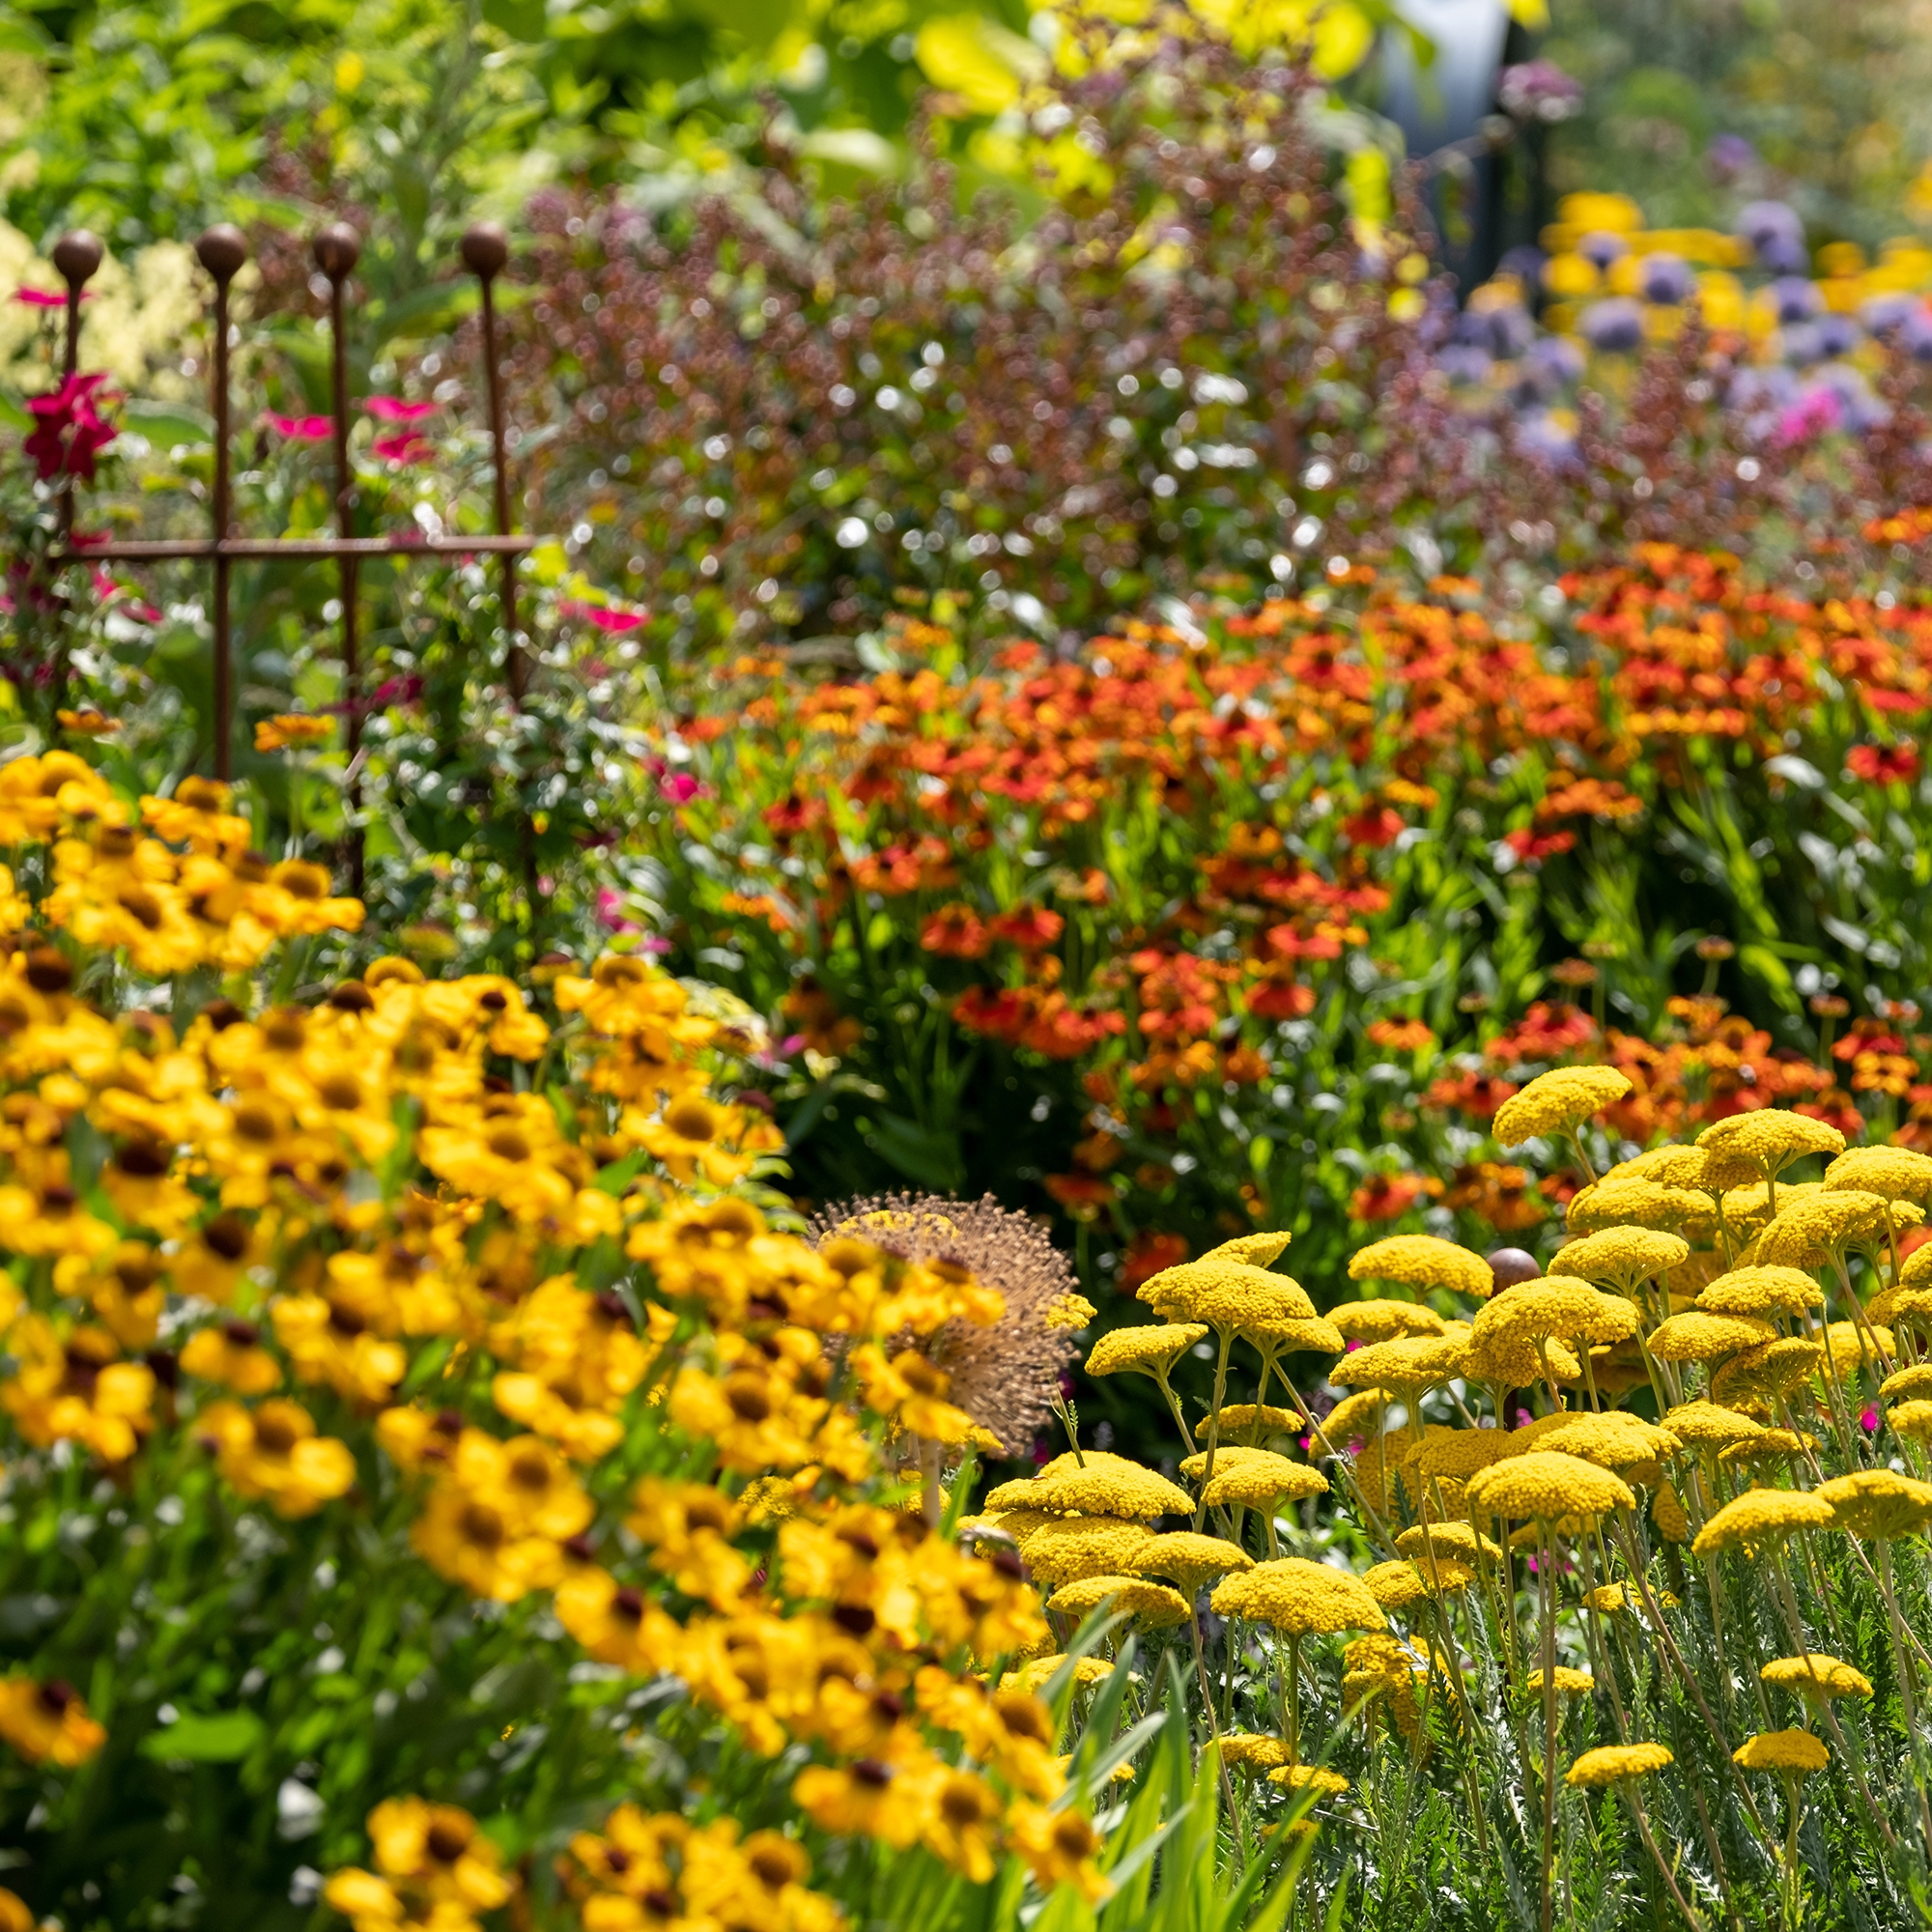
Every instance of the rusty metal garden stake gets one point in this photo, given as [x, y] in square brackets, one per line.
[486, 248]
[223, 250]
[76, 256]
[337, 248]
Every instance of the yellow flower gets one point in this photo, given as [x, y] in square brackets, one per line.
[474, 1541]
[1424, 1261]
[1557, 1102]
[1810, 1233]
[1400, 1584]
[1818, 1676]
[1152, 1605]
[1383, 1320]
[1668, 1513]
[1568, 1683]
[871, 1798]
[273, 1452]
[14, 1916]
[1614, 1439]
[1300, 1598]
[1070, 1548]
[1105, 1485]
[47, 1723]
[1762, 1292]
[615, 1622]
[1314, 1778]
[288, 728]
[1557, 1305]
[1762, 1520]
[1153, 1351]
[1769, 1445]
[1060, 1848]
[1458, 1452]
[1878, 1504]
[1896, 1174]
[1707, 1425]
[1769, 1369]
[964, 1830]
[1913, 1419]
[1403, 1367]
[1783, 1751]
[1249, 1751]
[1259, 1479]
[231, 1353]
[1451, 1542]
[1607, 1764]
[1913, 1382]
[1632, 1203]
[1545, 1486]
[1226, 1294]
[1186, 1557]
[439, 1849]
[1770, 1138]
[1621, 1257]
[1697, 1336]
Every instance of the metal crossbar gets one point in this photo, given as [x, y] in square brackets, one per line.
[336, 248]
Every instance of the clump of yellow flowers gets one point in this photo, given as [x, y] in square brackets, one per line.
[459, 1329]
[1608, 1537]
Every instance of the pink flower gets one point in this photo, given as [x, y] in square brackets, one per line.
[604, 616]
[300, 428]
[610, 910]
[393, 410]
[69, 432]
[1868, 1419]
[680, 788]
[405, 446]
[45, 297]
[1814, 414]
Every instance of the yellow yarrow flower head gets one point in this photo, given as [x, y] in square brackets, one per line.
[1271, 1419]
[1810, 1233]
[1608, 1764]
[1697, 1336]
[1151, 1605]
[1558, 1101]
[1300, 1598]
[1632, 1203]
[1066, 1548]
[1458, 1452]
[1622, 1256]
[1770, 1138]
[1878, 1504]
[1424, 1261]
[1513, 1361]
[1153, 1351]
[1613, 1438]
[1546, 1486]
[1400, 1583]
[1783, 1751]
[1918, 1269]
[1405, 1367]
[1451, 1542]
[1770, 1445]
[1259, 1480]
[1908, 1384]
[1383, 1320]
[1356, 1418]
[1762, 1520]
[1762, 1292]
[1668, 1513]
[1817, 1676]
[1557, 1305]
[1227, 1295]
[1567, 1683]
[1189, 1560]
[1250, 1750]
[1099, 1485]
[1314, 1778]
[1912, 1419]
[1895, 1174]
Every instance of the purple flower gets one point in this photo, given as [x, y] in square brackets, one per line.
[1602, 248]
[1796, 298]
[1837, 335]
[1760, 222]
[1539, 91]
[1916, 334]
[1729, 155]
[1614, 327]
[1882, 313]
[1665, 279]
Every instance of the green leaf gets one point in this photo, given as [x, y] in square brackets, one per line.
[222, 1739]
[167, 424]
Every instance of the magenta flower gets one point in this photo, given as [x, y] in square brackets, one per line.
[393, 410]
[68, 431]
[604, 616]
[300, 428]
[680, 788]
[405, 446]
[45, 297]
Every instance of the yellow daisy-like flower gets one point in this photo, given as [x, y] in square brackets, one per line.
[1896, 1174]
[1696, 1335]
[1783, 1751]
[1557, 1102]
[1300, 1598]
[1399, 1584]
[1424, 1261]
[1451, 1542]
[1621, 1257]
[1383, 1320]
[1567, 1683]
[1259, 1480]
[1607, 1764]
[1632, 1203]
[1152, 1605]
[1546, 1486]
[47, 1723]
[1817, 1676]
[1153, 1351]
[1762, 1292]
[1762, 1520]
[1770, 1138]
[1878, 1504]
[1559, 1305]
[1189, 1560]
[1070, 1548]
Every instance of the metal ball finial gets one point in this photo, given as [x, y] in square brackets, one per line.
[223, 250]
[337, 248]
[1512, 1267]
[77, 255]
[486, 248]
